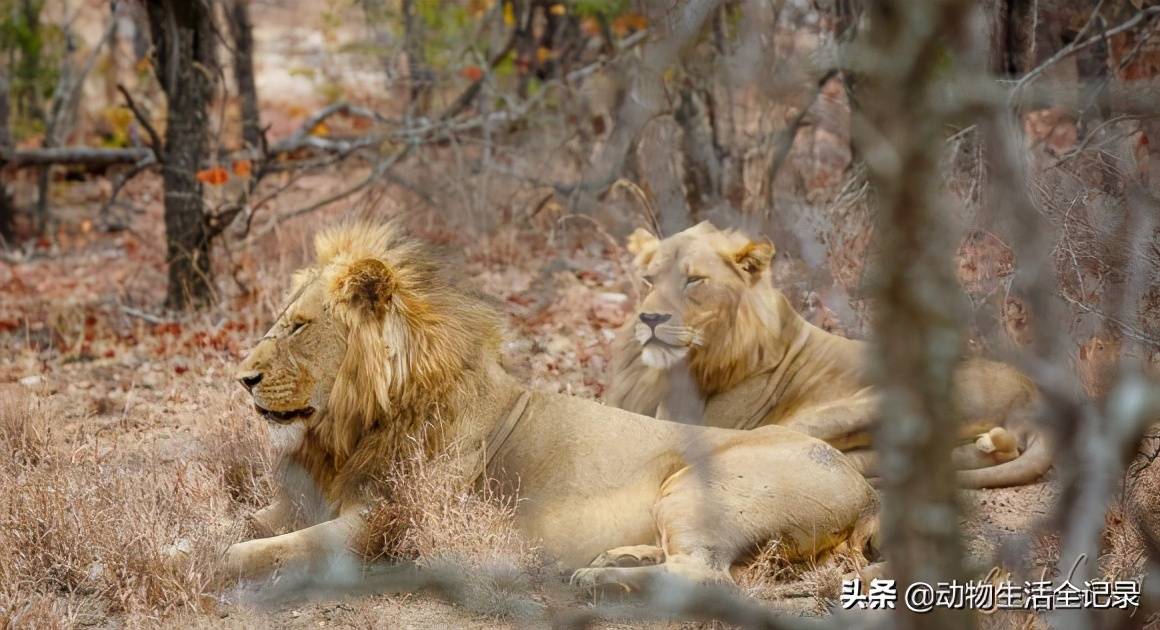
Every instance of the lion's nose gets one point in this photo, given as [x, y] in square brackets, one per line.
[249, 380]
[652, 320]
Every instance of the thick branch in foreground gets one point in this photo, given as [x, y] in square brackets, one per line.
[918, 338]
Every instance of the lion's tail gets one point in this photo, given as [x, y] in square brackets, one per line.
[1022, 470]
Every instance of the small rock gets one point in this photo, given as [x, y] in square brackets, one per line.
[518, 346]
[96, 571]
[32, 381]
[151, 380]
[559, 344]
[180, 547]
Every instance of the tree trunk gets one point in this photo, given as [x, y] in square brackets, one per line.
[183, 59]
[242, 30]
[421, 77]
[918, 321]
[644, 98]
[6, 206]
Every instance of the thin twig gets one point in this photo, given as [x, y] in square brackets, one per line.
[620, 252]
[379, 170]
[645, 203]
[1077, 46]
[154, 139]
[149, 317]
[122, 180]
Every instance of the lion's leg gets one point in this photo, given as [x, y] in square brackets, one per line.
[692, 541]
[714, 512]
[312, 549]
[853, 441]
[993, 447]
[844, 423]
[276, 518]
[634, 579]
[864, 460]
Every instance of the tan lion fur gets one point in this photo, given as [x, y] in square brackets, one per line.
[380, 348]
[755, 361]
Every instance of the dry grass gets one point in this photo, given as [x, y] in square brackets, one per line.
[1123, 551]
[768, 567]
[815, 584]
[82, 536]
[438, 521]
[239, 449]
[25, 435]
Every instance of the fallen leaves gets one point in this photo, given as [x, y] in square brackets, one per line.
[218, 175]
[471, 73]
[628, 23]
[215, 176]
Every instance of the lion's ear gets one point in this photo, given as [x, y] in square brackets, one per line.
[641, 241]
[754, 258]
[367, 286]
[642, 245]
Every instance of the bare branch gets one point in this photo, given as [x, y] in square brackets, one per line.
[1076, 46]
[645, 97]
[73, 155]
[154, 138]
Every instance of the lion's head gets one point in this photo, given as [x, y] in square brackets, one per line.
[370, 333]
[693, 279]
[708, 299]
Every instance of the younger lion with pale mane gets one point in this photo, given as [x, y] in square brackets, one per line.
[715, 343]
[378, 348]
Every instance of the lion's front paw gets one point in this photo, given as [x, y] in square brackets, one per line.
[248, 560]
[630, 556]
[594, 577]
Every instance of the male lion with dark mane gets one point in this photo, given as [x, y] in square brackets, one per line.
[715, 343]
[379, 348]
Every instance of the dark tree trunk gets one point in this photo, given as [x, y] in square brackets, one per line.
[183, 59]
[242, 30]
[422, 79]
[6, 206]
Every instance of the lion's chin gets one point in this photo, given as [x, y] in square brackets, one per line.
[660, 355]
[284, 417]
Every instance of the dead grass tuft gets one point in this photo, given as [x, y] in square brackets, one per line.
[771, 576]
[769, 566]
[139, 538]
[25, 436]
[433, 518]
[432, 515]
[240, 450]
[823, 580]
[1123, 551]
